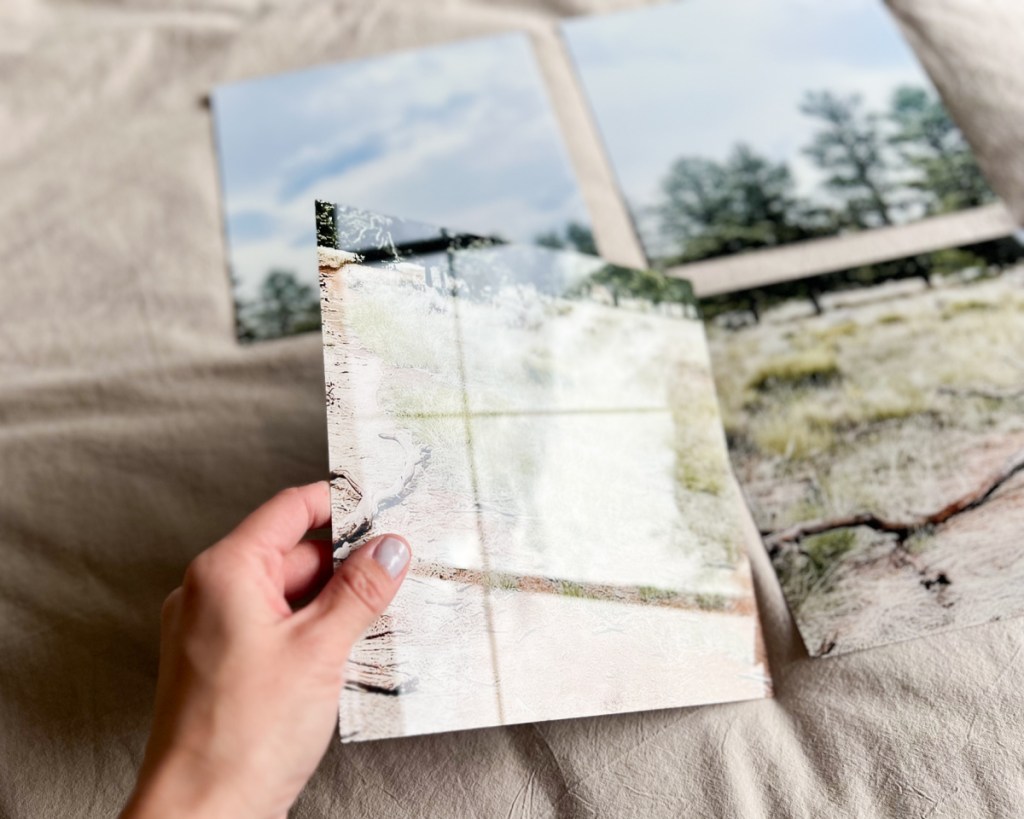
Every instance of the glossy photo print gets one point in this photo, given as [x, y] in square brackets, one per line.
[460, 134]
[741, 125]
[543, 427]
[875, 419]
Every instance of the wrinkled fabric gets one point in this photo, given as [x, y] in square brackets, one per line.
[134, 431]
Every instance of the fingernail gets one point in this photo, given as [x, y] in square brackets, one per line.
[392, 555]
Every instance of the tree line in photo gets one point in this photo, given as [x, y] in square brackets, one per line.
[474, 267]
[284, 306]
[879, 168]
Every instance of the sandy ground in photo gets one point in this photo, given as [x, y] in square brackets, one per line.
[898, 400]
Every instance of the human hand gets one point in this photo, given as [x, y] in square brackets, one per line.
[247, 693]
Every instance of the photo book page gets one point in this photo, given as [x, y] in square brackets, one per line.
[461, 134]
[862, 290]
[544, 429]
[768, 124]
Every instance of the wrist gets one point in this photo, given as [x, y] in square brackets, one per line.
[179, 786]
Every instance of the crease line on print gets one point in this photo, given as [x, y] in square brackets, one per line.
[485, 562]
[527, 413]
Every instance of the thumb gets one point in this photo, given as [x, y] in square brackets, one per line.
[361, 588]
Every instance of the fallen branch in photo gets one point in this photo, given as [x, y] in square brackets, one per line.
[358, 522]
[980, 392]
[631, 595]
[902, 529]
[993, 394]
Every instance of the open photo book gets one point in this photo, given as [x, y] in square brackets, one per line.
[582, 454]
[574, 450]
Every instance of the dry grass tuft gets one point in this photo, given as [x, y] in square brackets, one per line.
[831, 335]
[892, 318]
[953, 310]
[797, 431]
[814, 367]
[809, 573]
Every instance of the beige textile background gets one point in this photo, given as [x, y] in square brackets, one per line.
[133, 432]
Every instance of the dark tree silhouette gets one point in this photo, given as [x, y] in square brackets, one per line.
[647, 285]
[581, 238]
[244, 330]
[695, 198]
[713, 209]
[575, 237]
[326, 224]
[285, 306]
[945, 170]
[851, 149]
[878, 166]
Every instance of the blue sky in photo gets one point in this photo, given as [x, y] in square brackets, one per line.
[694, 77]
[460, 135]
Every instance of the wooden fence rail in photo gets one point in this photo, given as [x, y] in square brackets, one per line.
[815, 257]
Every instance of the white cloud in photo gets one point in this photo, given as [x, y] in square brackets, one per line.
[460, 135]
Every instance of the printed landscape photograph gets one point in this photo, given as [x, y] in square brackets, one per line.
[461, 134]
[875, 419]
[543, 427]
[768, 124]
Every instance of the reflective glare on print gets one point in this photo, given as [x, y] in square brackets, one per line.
[578, 538]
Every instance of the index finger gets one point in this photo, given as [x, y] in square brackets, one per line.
[280, 523]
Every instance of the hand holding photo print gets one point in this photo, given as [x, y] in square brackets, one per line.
[543, 427]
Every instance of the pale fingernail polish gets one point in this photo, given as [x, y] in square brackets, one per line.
[392, 555]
